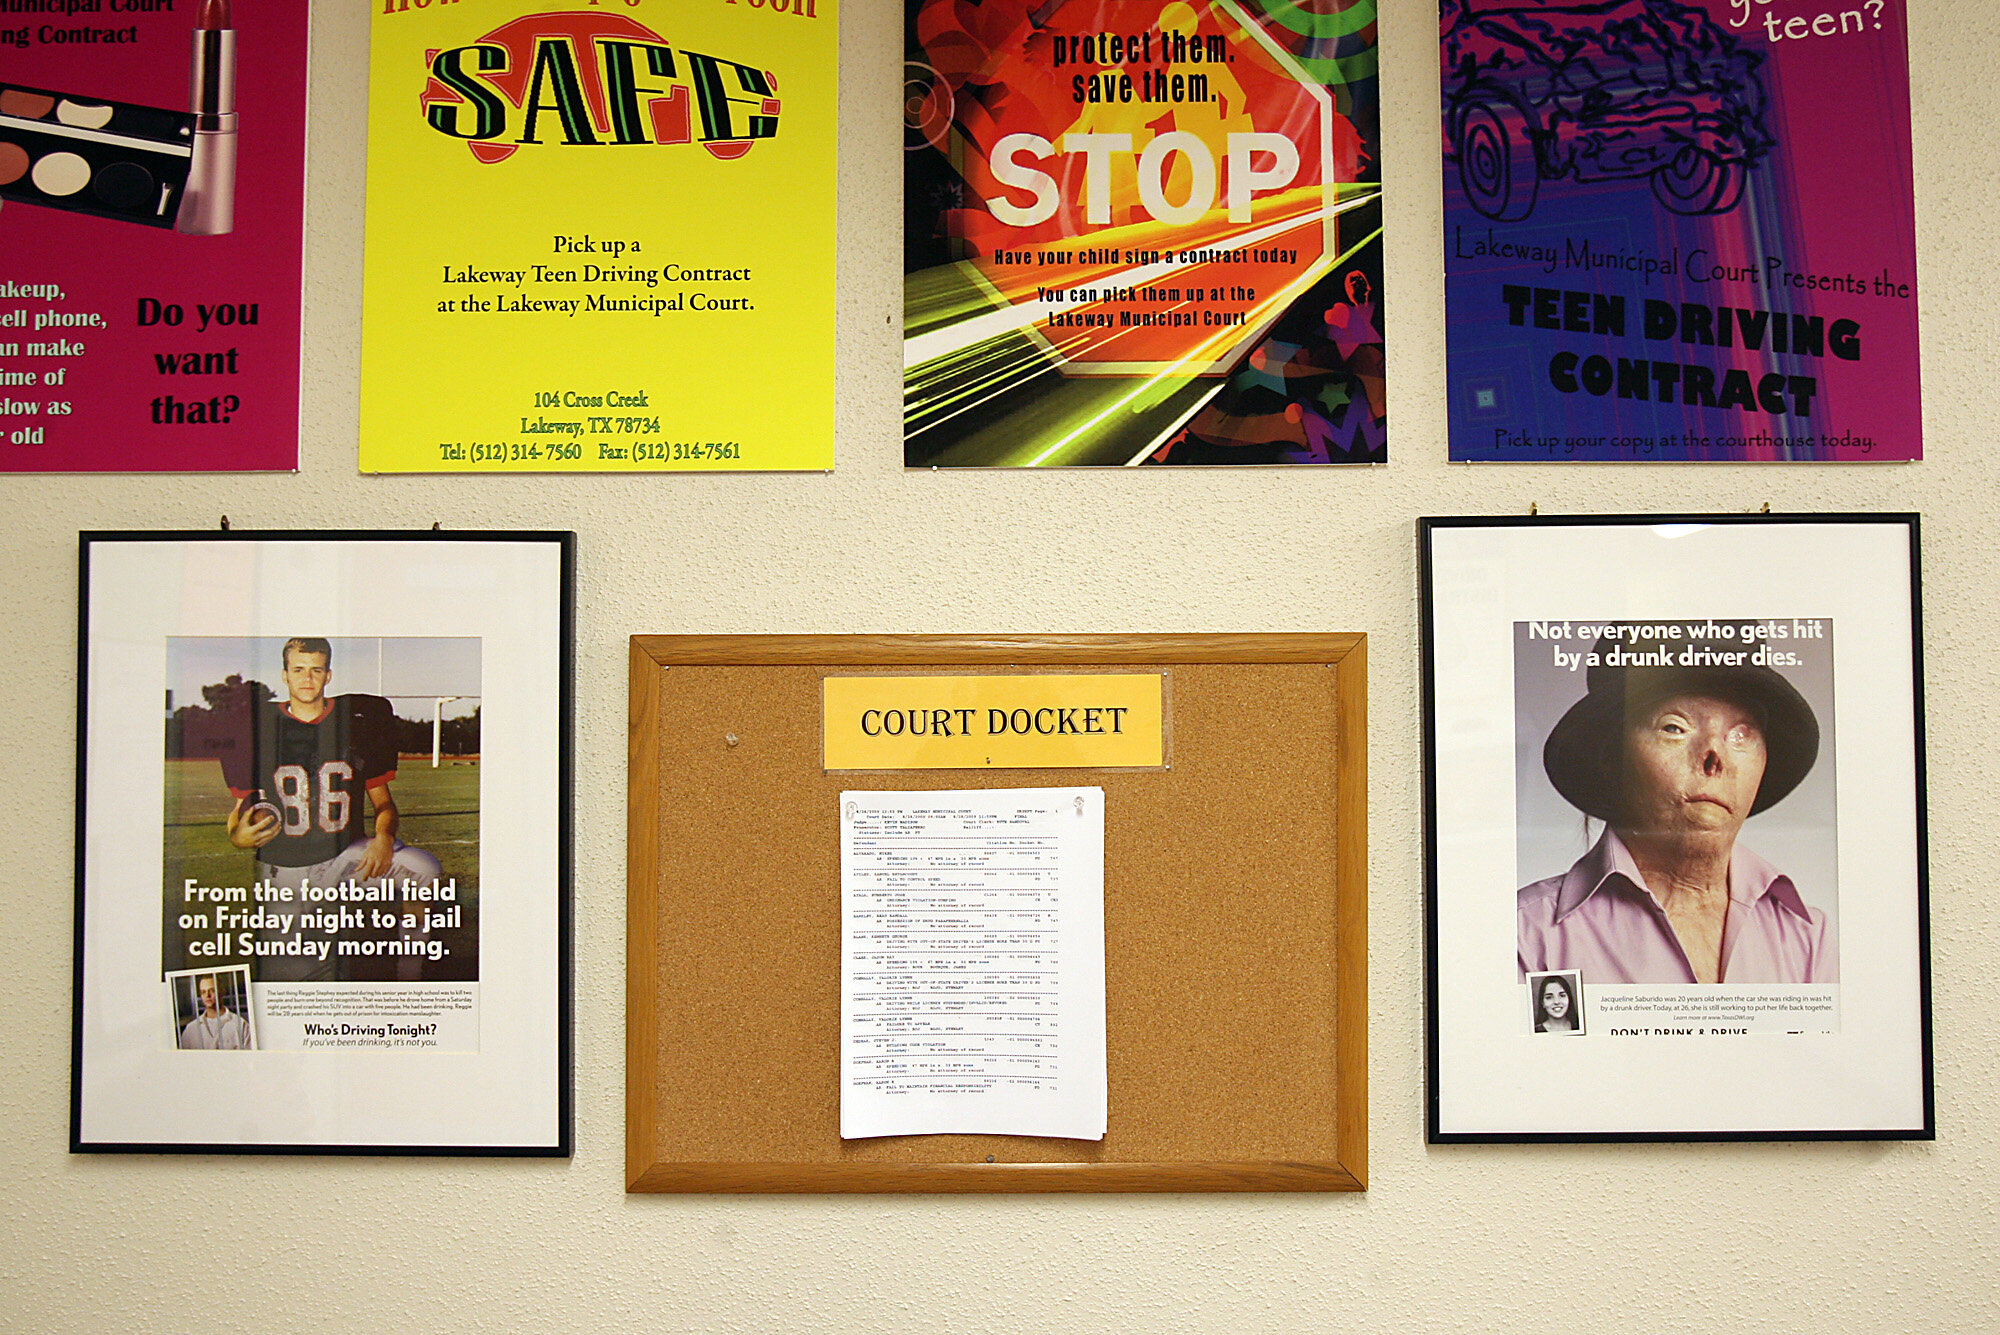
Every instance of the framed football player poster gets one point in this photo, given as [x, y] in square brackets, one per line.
[1675, 788]
[323, 862]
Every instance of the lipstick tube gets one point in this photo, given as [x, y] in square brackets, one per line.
[208, 208]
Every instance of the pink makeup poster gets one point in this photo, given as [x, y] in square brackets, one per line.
[152, 181]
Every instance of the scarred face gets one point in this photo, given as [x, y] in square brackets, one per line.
[1693, 764]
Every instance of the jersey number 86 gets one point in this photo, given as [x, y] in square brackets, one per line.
[297, 786]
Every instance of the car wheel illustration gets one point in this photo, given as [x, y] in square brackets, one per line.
[1698, 182]
[1496, 161]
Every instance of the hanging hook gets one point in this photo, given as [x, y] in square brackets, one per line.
[225, 523]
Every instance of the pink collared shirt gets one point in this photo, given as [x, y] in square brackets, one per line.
[1599, 918]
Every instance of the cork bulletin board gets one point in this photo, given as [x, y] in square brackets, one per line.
[1234, 903]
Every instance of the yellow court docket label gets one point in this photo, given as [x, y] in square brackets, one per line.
[1026, 721]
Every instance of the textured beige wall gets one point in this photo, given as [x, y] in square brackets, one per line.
[1781, 1238]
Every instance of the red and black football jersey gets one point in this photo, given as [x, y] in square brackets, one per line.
[314, 773]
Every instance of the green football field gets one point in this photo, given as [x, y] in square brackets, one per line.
[440, 813]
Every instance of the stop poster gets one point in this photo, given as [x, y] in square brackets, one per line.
[1143, 233]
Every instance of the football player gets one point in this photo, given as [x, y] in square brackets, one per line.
[299, 784]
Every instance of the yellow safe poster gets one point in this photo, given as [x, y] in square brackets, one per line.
[600, 236]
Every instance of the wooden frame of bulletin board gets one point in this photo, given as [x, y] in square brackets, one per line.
[1235, 917]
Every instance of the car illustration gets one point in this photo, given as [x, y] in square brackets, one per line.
[1612, 90]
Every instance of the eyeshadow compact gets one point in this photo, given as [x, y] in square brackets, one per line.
[106, 159]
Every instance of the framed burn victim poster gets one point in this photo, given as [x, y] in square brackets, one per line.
[1675, 848]
[323, 843]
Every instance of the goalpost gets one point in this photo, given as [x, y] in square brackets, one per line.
[428, 687]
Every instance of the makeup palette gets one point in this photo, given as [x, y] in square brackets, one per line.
[106, 159]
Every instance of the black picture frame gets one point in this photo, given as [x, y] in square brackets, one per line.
[341, 1062]
[1777, 1046]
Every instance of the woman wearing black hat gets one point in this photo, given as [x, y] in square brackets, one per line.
[1674, 745]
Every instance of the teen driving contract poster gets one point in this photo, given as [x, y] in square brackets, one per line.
[606, 230]
[1679, 230]
[152, 179]
[1146, 232]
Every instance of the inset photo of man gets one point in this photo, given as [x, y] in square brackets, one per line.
[212, 1009]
